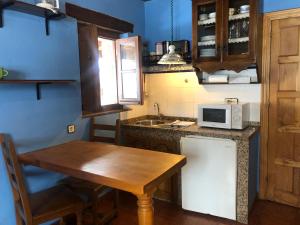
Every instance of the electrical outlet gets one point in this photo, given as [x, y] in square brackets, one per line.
[71, 129]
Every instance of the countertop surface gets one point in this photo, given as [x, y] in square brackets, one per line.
[193, 129]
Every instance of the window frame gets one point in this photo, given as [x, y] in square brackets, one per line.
[140, 79]
[110, 35]
[89, 72]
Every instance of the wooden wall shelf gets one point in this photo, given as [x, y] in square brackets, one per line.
[202, 77]
[31, 9]
[229, 83]
[37, 83]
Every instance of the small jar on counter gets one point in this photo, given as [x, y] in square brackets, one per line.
[159, 48]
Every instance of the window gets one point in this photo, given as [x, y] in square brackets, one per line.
[110, 70]
[128, 58]
[107, 72]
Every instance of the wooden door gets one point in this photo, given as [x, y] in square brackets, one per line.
[284, 113]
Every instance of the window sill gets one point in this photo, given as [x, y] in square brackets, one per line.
[102, 113]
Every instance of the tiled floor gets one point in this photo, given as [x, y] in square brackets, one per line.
[264, 213]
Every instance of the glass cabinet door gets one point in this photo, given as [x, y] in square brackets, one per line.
[208, 30]
[237, 35]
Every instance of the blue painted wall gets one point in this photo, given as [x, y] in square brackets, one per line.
[28, 53]
[157, 18]
[158, 21]
[275, 5]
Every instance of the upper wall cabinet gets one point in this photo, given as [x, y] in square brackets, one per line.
[226, 34]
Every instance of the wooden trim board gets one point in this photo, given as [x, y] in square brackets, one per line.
[101, 20]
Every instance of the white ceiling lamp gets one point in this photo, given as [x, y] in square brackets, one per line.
[172, 57]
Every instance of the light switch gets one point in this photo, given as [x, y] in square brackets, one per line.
[71, 129]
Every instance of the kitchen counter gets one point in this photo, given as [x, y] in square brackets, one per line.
[193, 129]
[246, 151]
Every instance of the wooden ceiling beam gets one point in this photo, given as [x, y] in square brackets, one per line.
[101, 20]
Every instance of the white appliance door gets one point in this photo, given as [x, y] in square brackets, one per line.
[218, 116]
[210, 175]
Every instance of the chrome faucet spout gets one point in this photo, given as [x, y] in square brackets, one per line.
[156, 106]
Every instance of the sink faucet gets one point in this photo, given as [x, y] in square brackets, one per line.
[156, 106]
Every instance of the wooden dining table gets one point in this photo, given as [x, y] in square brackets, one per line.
[128, 169]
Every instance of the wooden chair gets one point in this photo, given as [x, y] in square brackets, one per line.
[95, 192]
[41, 207]
[103, 127]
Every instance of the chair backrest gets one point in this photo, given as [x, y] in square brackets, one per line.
[103, 127]
[21, 200]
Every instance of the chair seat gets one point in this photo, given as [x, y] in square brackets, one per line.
[54, 203]
[82, 187]
[78, 183]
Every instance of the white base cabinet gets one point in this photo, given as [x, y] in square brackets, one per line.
[209, 179]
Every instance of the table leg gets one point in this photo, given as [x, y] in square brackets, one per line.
[145, 209]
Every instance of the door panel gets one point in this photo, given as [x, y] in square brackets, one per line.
[289, 37]
[288, 77]
[208, 31]
[284, 113]
[297, 158]
[89, 69]
[239, 30]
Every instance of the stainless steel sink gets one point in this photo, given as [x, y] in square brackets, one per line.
[151, 122]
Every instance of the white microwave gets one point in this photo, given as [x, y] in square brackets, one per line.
[225, 116]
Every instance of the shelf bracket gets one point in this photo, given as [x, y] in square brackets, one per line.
[38, 91]
[47, 25]
[1, 17]
[2, 7]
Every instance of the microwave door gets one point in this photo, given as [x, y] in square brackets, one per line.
[215, 117]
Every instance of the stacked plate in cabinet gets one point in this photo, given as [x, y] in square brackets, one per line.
[208, 40]
[244, 9]
[208, 52]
